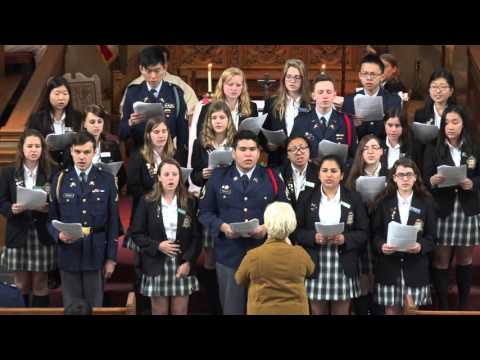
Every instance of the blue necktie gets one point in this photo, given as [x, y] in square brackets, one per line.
[324, 122]
[245, 182]
[151, 96]
[83, 180]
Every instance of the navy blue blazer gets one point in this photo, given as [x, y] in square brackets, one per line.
[390, 101]
[148, 231]
[96, 207]
[445, 197]
[17, 225]
[415, 266]
[225, 201]
[353, 215]
[338, 130]
[177, 125]
[273, 122]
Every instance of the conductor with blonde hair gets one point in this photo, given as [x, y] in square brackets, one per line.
[275, 272]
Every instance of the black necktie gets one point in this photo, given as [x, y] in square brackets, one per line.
[151, 96]
[324, 122]
[83, 180]
[245, 182]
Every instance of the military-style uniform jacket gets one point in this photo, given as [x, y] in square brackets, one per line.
[390, 101]
[95, 207]
[225, 201]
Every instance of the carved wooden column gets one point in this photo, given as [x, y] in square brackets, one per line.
[448, 52]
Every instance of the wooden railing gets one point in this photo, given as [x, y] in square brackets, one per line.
[411, 309]
[473, 76]
[128, 309]
[52, 64]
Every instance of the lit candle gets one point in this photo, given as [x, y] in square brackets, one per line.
[323, 68]
[209, 78]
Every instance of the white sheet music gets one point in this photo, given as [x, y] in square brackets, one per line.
[401, 236]
[453, 175]
[73, 230]
[370, 186]
[31, 199]
[245, 228]
[253, 124]
[327, 147]
[57, 142]
[275, 137]
[185, 173]
[329, 230]
[424, 133]
[220, 157]
[369, 107]
[148, 109]
[112, 167]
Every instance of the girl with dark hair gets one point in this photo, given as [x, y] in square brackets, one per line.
[292, 98]
[166, 230]
[405, 200]
[336, 278]
[218, 132]
[56, 115]
[30, 250]
[367, 162]
[459, 206]
[441, 87]
[398, 141]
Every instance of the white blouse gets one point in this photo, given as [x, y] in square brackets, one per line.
[299, 179]
[291, 113]
[30, 177]
[59, 125]
[330, 211]
[393, 153]
[456, 153]
[170, 217]
[404, 207]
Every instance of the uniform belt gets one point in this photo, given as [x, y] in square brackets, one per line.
[93, 230]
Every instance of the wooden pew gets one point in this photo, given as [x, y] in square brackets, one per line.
[411, 309]
[128, 309]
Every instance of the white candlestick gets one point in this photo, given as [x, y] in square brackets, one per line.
[209, 78]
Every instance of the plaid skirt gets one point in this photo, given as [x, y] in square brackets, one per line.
[207, 239]
[457, 229]
[35, 256]
[332, 283]
[394, 295]
[167, 284]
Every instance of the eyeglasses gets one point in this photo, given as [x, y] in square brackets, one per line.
[293, 77]
[442, 88]
[373, 147]
[295, 149]
[407, 176]
[371, 75]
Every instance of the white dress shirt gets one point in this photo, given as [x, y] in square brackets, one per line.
[235, 116]
[30, 177]
[157, 89]
[170, 218]
[157, 158]
[291, 112]
[393, 153]
[97, 157]
[330, 211]
[456, 152]
[437, 117]
[299, 178]
[249, 173]
[404, 207]
[327, 115]
[59, 125]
